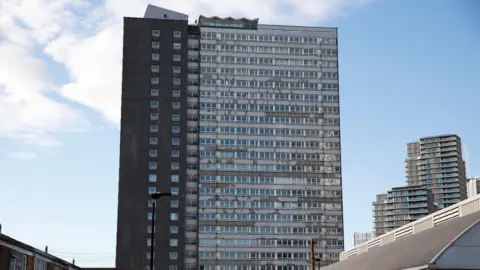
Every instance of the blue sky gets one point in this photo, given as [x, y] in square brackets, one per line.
[408, 69]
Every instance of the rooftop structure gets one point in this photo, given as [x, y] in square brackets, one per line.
[446, 239]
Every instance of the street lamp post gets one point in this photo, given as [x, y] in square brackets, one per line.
[154, 197]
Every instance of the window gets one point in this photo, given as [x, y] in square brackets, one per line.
[156, 45]
[152, 153]
[173, 229]
[156, 33]
[153, 116]
[175, 166]
[152, 178]
[176, 58]
[155, 56]
[175, 153]
[155, 80]
[155, 68]
[174, 178]
[176, 69]
[175, 129]
[153, 140]
[42, 265]
[173, 242]
[152, 190]
[175, 141]
[172, 267]
[152, 165]
[174, 190]
[173, 216]
[154, 104]
[173, 255]
[153, 128]
[175, 117]
[174, 203]
[153, 92]
[177, 34]
[176, 81]
[177, 46]
[150, 203]
[176, 92]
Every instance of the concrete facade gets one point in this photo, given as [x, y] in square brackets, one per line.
[152, 148]
[400, 206]
[437, 163]
[259, 171]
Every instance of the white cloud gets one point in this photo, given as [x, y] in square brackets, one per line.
[87, 41]
[23, 155]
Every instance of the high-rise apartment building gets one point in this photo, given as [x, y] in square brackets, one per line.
[473, 187]
[240, 121]
[437, 163]
[400, 206]
[361, 237]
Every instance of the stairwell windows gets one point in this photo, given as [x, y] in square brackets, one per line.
[175, 117]
[154, 104]
[176, 81]
[155, 56]
[152, 178]
[153, 92]
[155, 68]
[175, 166]
[152, 153]
[153, 128]
[152, 165]
[177, 34]
[175, 153]
[152, 190]
[174, 203]
[176, 69]
[156, 33]
[177, 46]
[153, 140]
[173, 255]
[175, 141]
[177, 57]
[153, 116]
[156, 45]
[154, 80]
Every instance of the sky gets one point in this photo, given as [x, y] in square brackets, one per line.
[408, 69]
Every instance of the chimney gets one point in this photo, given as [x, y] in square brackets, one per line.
[73, 261]
[46, 249]
[0, 228]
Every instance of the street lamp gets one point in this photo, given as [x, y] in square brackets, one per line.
[154, 197]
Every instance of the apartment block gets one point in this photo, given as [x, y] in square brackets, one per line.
[436, 162]
[473, 186]
[240, 121]
[361, 237]
[400, 206]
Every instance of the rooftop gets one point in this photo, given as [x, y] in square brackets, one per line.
[451, 232]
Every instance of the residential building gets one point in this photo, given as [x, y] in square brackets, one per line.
[240, 121]
[400, 206]
[473, 186]
[18, 255]
[437, 163]
[361, 237]
[379, 214]
[447, 239]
